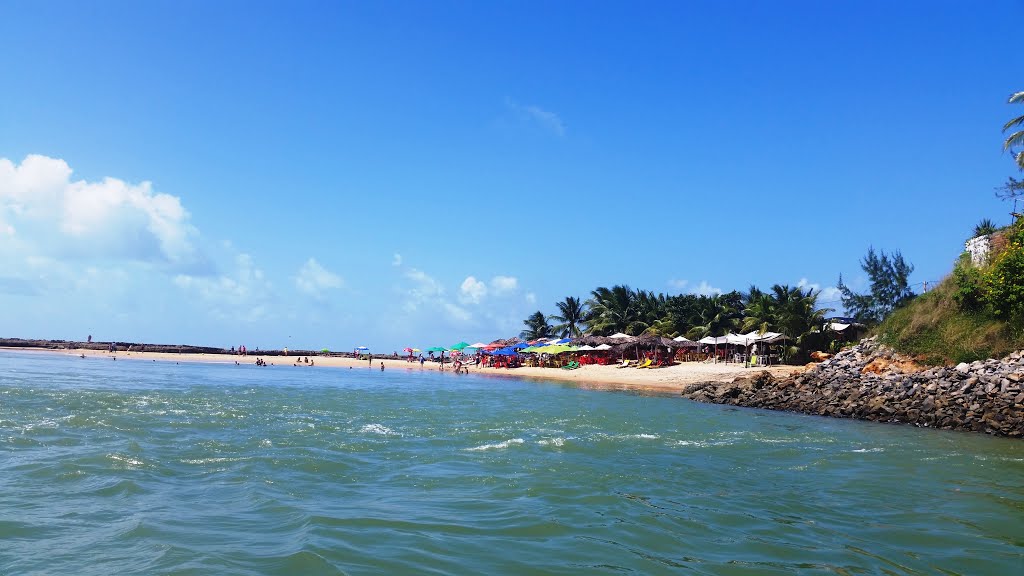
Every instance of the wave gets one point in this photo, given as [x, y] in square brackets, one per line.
[497, 446]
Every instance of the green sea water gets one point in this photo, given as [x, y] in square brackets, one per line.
[138, 467]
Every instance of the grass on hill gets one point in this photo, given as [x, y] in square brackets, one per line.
[934, 330]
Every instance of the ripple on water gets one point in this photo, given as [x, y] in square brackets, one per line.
[182, 469]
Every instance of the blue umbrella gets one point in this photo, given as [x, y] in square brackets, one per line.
[563, 341]
[520, 346]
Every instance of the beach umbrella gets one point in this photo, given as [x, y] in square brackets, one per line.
[459, 346]
[557, 349]
[520, 346]
[478, 345]
[362, 348]
[620, 335]
[325, 350]
[586, 347]
[407, 350]
[603, 347]
[437, 349]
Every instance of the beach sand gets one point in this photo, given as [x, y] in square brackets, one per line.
[663, 380]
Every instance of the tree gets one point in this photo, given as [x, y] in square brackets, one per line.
[1012, 189]
[570, 317]
[760, 312]
[610, 310]
[1015, 138]
[889, 287]
[536, 327]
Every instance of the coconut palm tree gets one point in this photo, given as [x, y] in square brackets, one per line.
[760, 312]
[536, 327]
[1015, 138]
[611, 310]
[571, 317]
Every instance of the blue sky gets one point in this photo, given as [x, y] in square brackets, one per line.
[387, 174]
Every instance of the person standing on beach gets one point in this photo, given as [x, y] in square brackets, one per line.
[381, 366]
[370, 358]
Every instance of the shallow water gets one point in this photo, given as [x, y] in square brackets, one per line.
[135, 467]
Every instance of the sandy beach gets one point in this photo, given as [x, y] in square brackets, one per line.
[665, 380]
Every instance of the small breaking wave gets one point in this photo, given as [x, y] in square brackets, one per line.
[496, 446]
[378, 429]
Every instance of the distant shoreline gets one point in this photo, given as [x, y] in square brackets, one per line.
[670, 379]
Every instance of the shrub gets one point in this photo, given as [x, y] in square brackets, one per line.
[1003, 279]
[968, 282]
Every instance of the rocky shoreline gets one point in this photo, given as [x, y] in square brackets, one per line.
[871, 382]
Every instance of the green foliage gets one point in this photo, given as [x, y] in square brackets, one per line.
[536, 327]
[790, 310]
[571, 317]
[889, 276]
[968, 292]
[936, 330]
[1016, 138]
[1003, 279]
[984, 228]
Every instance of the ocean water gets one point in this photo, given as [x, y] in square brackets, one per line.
[138, 467]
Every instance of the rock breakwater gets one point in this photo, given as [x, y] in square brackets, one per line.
[871, 382]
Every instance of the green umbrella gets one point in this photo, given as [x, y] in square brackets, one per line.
[460, 346]
[556, 349]
[437, 349]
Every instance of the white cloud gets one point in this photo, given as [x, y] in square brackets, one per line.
[424, 289]
[396, 260]
[703, 288]
[531, 298]
[108, 219]
[678, 284]
[544, 118]
[504, 284]
[241, 295]
[314, 279]
[472, 291]
[828, 297]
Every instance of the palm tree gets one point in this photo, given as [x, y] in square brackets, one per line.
[648, 309]
[536, 327]
[760, 311]
[611, 310]
[571, 317]
[718, 315]
[1016, 138]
